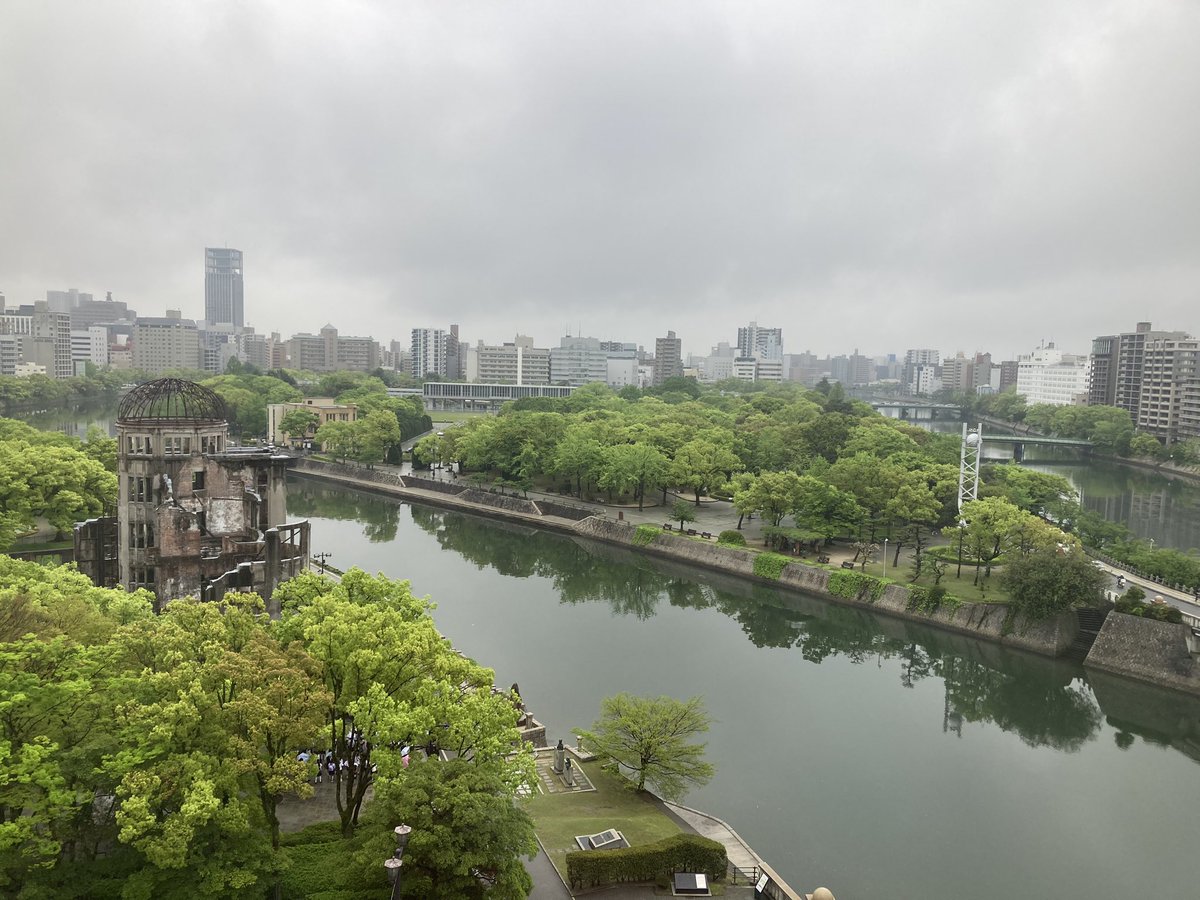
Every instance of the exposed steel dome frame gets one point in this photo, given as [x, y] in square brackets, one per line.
[168, 401]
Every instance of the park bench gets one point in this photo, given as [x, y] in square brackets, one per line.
[847, 564]
[666, 526]
[822, 558]
[707, 535]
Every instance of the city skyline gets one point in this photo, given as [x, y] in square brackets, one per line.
[1024, 172]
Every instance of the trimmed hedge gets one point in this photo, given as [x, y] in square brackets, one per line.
[644, 535]
[770, 565]
[680, 852]
[320, 865]
[850, 585]
[731, 538]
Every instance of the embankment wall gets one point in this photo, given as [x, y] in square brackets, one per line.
[991, 621]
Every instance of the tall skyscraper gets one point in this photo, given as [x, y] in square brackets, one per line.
[223, 298]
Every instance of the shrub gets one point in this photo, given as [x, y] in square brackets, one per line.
[644, 535]
[850, 585]
[732, 538]
[929, 599]
[1161, 612]
[647, 862]
[770, 565]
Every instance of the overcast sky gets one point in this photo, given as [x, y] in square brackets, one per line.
[871, 175]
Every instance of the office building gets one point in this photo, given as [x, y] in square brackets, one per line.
[167, 343]
[223, 287]
[1048, 375]
[89, 345]
[577, 361]
[515, 362]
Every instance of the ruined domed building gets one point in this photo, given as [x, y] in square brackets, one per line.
[195, 517]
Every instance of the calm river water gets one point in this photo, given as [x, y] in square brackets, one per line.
[871, 755]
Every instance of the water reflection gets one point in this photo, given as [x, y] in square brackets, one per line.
[1043, 701]
[380, 517]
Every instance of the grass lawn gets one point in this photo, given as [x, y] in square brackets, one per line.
[559, 817]
[445, 417]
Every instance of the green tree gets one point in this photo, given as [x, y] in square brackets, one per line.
[652, 737]
[465, 825]
[683, 511]
[1049, 581]
[702, 464]
[297, 423]
[639, 467]
[771, 494]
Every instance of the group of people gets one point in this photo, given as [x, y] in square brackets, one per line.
[328, 765]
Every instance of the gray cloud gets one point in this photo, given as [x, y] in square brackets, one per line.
[863, 174]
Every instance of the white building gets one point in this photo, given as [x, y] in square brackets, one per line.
[577, 361]
[428, 352]
[1047, 375]
[89, 345]
[515, 362]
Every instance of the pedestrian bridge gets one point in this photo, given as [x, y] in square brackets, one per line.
[1019, 443]
[916, 411]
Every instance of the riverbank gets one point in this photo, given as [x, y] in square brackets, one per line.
[1172, 668]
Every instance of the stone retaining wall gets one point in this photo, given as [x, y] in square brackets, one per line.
[991, 621]
[431, 484]
[1146, 649]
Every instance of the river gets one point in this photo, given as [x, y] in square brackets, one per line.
[871, 755]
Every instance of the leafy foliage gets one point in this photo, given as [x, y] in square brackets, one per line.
[731, 538]
[647, 862]
[1049, 581]
[644, 534]
[852, 585]
[770, 565]
[652, 737]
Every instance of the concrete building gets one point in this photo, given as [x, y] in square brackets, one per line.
[428, 351]
[513, 362]
[1048, 375]
[1009, 369]
[224, 295]
[326, 409]
[484, 397]
[163, 344]
[195, 517]
[10, 352]
[1170, 373]
[668, 357]
[66, 301]
[622, 372]
[27, 369]
[577, 361]
[89, 345]
[763, 343]
[88, 312]
[1117, 365]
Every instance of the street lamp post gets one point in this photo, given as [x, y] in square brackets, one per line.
[962, 529]
[395, 862]
[885, 543]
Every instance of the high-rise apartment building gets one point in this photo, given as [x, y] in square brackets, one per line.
[223, 291]
[668, 357]
[1117, 366]
[428, 352]
[765, 343]
[1170, 372]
